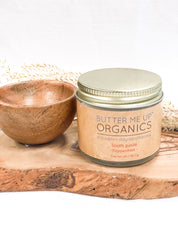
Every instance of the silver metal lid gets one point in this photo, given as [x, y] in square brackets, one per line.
[120, 88]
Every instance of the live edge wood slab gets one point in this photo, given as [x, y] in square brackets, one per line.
[59, 165]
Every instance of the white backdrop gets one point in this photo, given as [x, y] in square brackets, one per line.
[81, 35]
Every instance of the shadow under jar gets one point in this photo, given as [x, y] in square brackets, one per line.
[119, 115]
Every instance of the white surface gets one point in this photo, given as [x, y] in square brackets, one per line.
[65, 214]
[81, 35]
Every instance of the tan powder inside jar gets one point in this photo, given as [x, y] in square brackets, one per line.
[119, 124]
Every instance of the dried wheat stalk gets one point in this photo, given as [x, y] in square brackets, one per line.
[9, 74]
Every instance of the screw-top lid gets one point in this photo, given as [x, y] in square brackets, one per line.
[120, 88]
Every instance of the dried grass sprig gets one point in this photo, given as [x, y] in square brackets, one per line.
[11, 74]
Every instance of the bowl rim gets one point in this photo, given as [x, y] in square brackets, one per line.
[39, 106]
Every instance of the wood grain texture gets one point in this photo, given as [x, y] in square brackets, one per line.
[59, 165]
[36, 112]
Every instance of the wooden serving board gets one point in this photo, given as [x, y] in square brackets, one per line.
[59, 165]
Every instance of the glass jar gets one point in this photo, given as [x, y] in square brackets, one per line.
[119, 115]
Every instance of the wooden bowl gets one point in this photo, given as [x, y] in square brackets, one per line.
[36, 112]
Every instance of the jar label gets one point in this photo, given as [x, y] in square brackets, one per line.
[119, 135]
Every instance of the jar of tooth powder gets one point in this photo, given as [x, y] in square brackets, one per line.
[119, 115]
